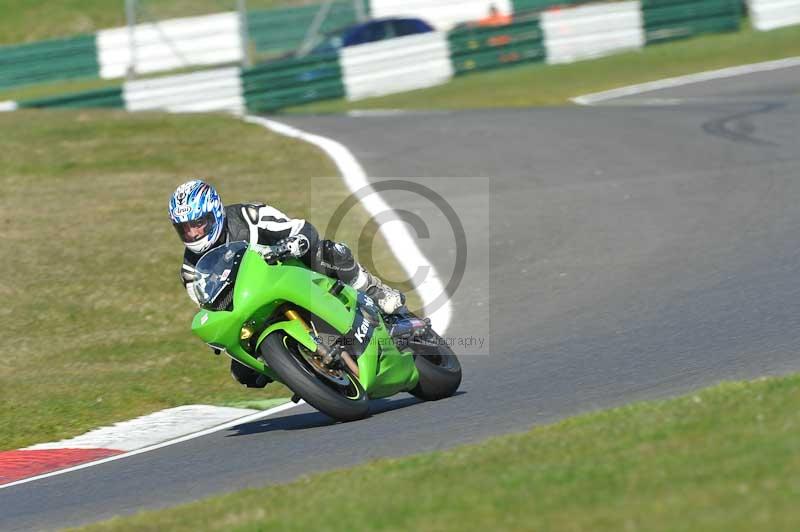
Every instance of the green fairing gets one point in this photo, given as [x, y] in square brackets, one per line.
[260, 289]
[294, 329]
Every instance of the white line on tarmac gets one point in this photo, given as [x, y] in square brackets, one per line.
[741, 70]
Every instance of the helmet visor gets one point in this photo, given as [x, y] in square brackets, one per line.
[195, 230]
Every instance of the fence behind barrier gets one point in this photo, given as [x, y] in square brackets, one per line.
[276, 31]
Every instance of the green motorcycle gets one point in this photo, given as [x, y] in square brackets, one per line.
[323, 339]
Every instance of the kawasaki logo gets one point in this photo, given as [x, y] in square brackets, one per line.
[362, 331]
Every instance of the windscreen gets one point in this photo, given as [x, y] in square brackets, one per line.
[215, 274]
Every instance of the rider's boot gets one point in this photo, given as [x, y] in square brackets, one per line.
[248, 377]
[388, 299]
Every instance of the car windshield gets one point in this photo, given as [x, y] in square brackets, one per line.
[215, 273]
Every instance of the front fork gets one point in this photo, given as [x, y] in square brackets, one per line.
[329, 355]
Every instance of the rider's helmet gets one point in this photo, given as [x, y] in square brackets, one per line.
[197, 215]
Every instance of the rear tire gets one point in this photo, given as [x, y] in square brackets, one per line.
[280, 353]
[439, 368]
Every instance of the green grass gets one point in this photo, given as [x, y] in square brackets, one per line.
[34, 20]
[724, 459]
[96, 324]
[539, 84]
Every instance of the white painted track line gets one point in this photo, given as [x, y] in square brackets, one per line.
[741, 70]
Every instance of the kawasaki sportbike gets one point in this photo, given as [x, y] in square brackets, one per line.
[327, 342]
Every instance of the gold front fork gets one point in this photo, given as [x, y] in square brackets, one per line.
[348, 360]
[294, 315]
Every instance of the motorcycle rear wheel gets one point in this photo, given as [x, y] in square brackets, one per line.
[347, 402]
[438, 367]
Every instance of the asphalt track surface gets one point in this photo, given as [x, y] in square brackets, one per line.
[623, 252]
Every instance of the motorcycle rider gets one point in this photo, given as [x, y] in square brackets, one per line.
[203, 223]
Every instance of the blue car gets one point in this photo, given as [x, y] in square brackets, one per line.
[372, 31]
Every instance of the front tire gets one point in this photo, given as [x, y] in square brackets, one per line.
[438, 366]
[281, 353]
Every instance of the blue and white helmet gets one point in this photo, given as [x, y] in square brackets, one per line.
[197, 215]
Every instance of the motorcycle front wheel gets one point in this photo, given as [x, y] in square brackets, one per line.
[335, 393]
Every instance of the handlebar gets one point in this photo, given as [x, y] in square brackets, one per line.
[294, 246]
[271, 253]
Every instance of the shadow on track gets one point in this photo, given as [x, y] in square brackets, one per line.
[310, 420]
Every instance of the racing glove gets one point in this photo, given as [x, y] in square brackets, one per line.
[294, 246]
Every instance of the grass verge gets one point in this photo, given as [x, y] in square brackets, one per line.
[95, 320]
[725, 459]
[540, 84]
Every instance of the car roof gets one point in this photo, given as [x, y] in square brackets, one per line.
[371, 21]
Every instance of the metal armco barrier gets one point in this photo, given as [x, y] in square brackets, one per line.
[772, 14]
[396, 65]
[44, 61]
[592, 30]
[555, 35]
[280, 84]
[667, 20]
[482, 48]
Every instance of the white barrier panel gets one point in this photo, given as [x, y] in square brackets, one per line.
[396, 65]
[591, 31]
[441, 14]
[170, 44]
[212, 90]
[8, 105]
[771, 14]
